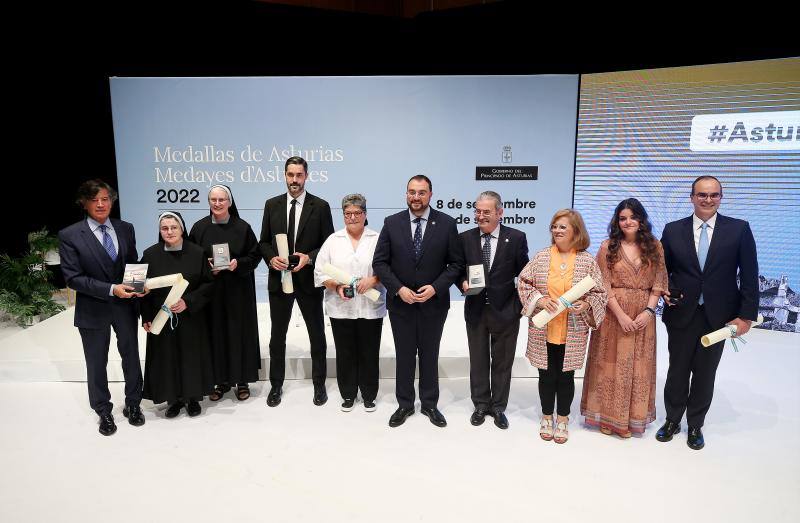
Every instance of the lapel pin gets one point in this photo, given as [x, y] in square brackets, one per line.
[433, 223]
[506, 240]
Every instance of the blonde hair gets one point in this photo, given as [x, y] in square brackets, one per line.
[581, 241]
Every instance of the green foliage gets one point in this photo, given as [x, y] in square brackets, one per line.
[25, 288]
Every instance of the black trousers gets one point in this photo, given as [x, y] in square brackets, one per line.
[358, 344]
[492, 344]
[417, 332]
[280, 313]
[95, 349]
[555, 385]
[692, 371]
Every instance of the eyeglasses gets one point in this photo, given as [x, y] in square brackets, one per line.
[167, 228]
[354, 214]
[705, 195]
[217, 200]
[479, 212]
[411, 193]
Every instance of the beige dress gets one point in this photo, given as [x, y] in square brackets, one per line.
[619, 387]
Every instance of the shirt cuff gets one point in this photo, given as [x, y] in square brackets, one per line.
[111, 290]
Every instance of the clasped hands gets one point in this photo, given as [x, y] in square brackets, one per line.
[550, 305]
[281, 264]
[423, 294]
[364, 284]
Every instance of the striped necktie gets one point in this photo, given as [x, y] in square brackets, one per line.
[108, 243]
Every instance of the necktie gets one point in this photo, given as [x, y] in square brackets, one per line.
[702, 251]
[487, 254]
[290, 232]
[108, 243]
[418, 239]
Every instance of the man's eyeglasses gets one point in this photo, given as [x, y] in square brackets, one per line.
[705, 195]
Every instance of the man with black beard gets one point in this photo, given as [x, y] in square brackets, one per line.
[307, 222]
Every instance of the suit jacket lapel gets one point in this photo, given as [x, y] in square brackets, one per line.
[304, 214]
[281, 225]
[122, 250]
[430, 230]
[502, 239]
[688, 239]
[716, 238]
[90, 240]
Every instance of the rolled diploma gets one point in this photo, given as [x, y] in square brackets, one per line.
[174, 295]
[344, 278]
[725, 333]
[163, 281]
[576, 292]
[283, 251]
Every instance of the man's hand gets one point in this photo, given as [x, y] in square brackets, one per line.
[407, 295]
[742, 326]
[123, 291]
[465, 286]
[304, 259]
[278, 263]
[179, 306]
[668, 301]
[425, 293]
[147, 326]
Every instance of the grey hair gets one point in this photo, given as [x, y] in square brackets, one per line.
[491, 195]
[354, 199]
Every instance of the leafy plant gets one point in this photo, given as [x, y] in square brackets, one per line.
[25, 287]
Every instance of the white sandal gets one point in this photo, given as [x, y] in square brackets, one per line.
[546, 429]
[562, 434]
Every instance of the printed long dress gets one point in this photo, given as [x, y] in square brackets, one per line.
[619, 387]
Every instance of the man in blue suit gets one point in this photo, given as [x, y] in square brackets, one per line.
[94, 252]
[704, 254]
[417, 259]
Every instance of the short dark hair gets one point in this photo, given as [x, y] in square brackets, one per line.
[421, 178]
[90, 188]
[706, 177]
[296, 160]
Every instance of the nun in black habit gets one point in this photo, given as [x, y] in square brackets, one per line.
[178, 366]
[231, 314]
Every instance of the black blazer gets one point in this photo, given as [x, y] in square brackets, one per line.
[732, 251]
[509, 260]
[314, 227]
[89, 271]
[440, 264]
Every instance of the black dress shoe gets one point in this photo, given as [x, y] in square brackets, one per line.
[435, 416]
[107, 425]
[174, 409]
[478, 416]
[500, 420]
[320, 396]
[134, 415]
[399, 416]
[274, 397]
[667, 430]
[695, 439]
[193, 408]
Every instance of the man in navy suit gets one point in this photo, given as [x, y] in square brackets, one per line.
[417, 259]
[93, 253]
[492, 315]
[704, 255]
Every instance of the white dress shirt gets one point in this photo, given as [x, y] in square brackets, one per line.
[423, 222]
[338, 251]
[697, 223]
[297, 211]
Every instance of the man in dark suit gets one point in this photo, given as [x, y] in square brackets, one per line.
[93, 253]
[307, 222]
[704, 254]
[493, 315]
[417, 259]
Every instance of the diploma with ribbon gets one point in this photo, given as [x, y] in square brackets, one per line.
[575, 293]
[179, 285]
[282, 242]
[345, 278]
[727, 332]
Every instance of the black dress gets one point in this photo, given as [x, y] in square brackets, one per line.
[178, 362]
[232, 314]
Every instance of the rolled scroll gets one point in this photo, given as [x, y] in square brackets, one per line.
[345, 278]
[726, 332]
[179, 286]
[283, 251]
[576, 292]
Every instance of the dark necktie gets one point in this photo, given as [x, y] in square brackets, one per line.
[108, 243]
[290, 232]
[487, 254]
[702, 251]
[418, 239]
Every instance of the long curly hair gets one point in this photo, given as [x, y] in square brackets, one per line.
[644, 236]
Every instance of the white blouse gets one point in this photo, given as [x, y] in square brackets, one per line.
[338, 251]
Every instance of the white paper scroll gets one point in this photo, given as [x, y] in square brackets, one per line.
[726, 332]
[576, 292]
[345, 279]
[283, 251]
[179, 286]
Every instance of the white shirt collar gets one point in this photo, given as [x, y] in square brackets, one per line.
[300, 199]
[697, 222]
[342, 233]
[93, 224]
[495, 233]
[425, 216]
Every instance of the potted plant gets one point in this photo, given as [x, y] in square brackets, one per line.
[26, 292]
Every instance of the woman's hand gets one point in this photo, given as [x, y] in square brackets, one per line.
[548, 304]
[366, 283]
[179, 306]
[627, 324]
[340, 291]
[578, 306]
[642, 319]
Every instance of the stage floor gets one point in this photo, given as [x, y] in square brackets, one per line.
[297, 462]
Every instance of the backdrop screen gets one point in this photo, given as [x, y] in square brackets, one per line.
[648, 134]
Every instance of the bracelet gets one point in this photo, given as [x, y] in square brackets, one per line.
[650, 310]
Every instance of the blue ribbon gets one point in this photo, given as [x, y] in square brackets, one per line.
[734, 337]
[172, 316]
[353, 282]
[568, 305]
